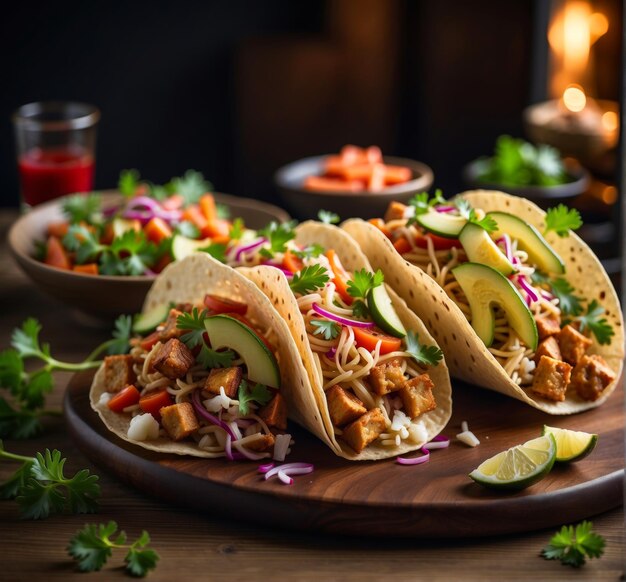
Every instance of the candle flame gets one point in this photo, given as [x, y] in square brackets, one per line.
[574, 98]
[610, 120]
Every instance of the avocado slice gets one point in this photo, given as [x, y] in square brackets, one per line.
[529, 239]
[227, 332]
[383, 313]
[483, 287]
[480, 248]
[441, 223]
[183, 247]
[147, 322]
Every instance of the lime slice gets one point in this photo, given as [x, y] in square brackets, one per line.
[519, 466]
[571, 445]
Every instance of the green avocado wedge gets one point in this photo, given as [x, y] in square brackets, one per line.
[529, 239]
[484, 287]
[480, 248]
[227, 332]
[383, 313]
[147, 322]
[441, 223]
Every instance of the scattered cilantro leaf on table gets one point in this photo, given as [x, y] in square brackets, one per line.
[572, 545]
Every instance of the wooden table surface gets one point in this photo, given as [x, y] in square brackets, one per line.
[194, 546]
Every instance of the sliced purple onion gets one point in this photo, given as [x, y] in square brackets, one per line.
[445, 208]
[249, 247]
[531, 296]
[506, 240]
[266, 467]
[284, 472]
[440, 438]
[204, 413]
[339, 319]
[415, 460]
[143, 208]
[547, 296]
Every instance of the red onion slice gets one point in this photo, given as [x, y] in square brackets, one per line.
[531, 296]
[249, 247]
[506, 240]
[266, 467]
[204, 413]
[283, 472]
[415, 460]
[339, 319]
[445, 208]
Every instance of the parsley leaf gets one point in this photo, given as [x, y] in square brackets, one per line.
[216, 250]
[278, 235]
[362, 281]
[562, 219]
[188, 229]
[309, 279]
[122, 333]
[572, 545]
[328, 217]
[191, 186]
[309, 252]
[128, 182]
[82, 207]
[236, 229]
[210, 358]
[134, 253]
[422, 203]
[465, 210]
[422, 354]
[259, 393]
[193, 324]
[360, 309]
[83, 242]
[222, 211]
[93, 545]
[598, 325]
[326, 328]
[563, 291]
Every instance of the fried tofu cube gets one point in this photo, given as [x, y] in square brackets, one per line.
[591, 376]
[227, 378]
[547, 326]
[262, 443]
[548, 347]
[170, 329]
[417, 395]
[179, 420]
[344, 407]
[573, 344]
[118, 372]
[395, 211]
[173, 359]
[274, 413]
[387, 377]
[551, 378]
[364, 430]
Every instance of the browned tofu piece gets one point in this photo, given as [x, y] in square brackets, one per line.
[261, 444]
[228, 378]
[551, 378]
[118, 372]
[548, 347]
[169, 328]
[395, 210]
[364, 430]
[591, 376]
[387, 377]
[344, 407]
[547, 326]
[173, 359]
[274, 413]
[573, 344]
[417, 395]
[179, 420]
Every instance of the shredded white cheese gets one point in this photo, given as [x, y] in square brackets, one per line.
[143, 427]
[417, 432]
[218, 402]
[104, 399]
[468, 438]
[281, 446]
[400, 420]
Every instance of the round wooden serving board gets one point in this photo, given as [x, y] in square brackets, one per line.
[382, 498]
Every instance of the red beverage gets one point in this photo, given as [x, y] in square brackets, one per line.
[50, 173]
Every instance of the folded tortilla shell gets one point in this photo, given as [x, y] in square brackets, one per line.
[466, 354]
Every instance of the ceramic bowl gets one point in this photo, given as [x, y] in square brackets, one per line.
[105, 297]
[307, 203]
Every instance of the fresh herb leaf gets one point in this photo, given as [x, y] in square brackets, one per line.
[326, 328]
[93, 545]
[193, 324]
[216, 250]
[360, 309]
[222, 211]
[573, 545]
[278, 235]
[188, 229]
[465, 210]
[328, 217]
[597, 324]
[128, 182]
[562, 220]
[134, 253]
[309, 252]
[422, 354]
[82, 208]
[122, 332]
[259, 394]
[84, 243]
[540, 278]
[21, 423]
[363, 280]
[191, 186]
[568, 302]
[237, 229]
[309, 279]
[210, 358]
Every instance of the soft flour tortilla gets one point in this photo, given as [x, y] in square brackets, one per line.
[276, 286]
[468, 357]
[188, 281]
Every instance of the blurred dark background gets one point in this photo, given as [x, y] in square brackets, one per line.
[236, 89]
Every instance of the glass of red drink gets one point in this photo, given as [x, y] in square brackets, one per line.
[55, 149]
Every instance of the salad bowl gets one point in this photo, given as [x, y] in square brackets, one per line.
[105, 296]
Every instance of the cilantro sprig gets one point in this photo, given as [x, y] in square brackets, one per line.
[569, 303]
[465, 209]
[83, 208]
[562, 220]
[328, 217]
[572, 545]
[93, 545]
[422, 203]
[216, 250]
[128, 182]
[327, 329]
[193, 324]
[41, 487]
[362, 281]
[422, 353]
[278, 235]
[595, 323]
[21, 418]
[309, 252]
[259, 393]
[309, 279]
[191, 186]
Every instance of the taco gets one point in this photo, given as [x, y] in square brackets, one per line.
[378, 378]
[216, 377]
[530, 315]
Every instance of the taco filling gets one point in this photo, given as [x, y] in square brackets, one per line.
[512, 287]
[203, 375]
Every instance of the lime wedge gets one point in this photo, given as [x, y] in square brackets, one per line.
[571, 445]
[519, 466]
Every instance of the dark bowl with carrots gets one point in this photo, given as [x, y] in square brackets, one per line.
[357, 182]
[100, 252]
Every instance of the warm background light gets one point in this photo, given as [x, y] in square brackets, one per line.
[610, 120]
[574, 98]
